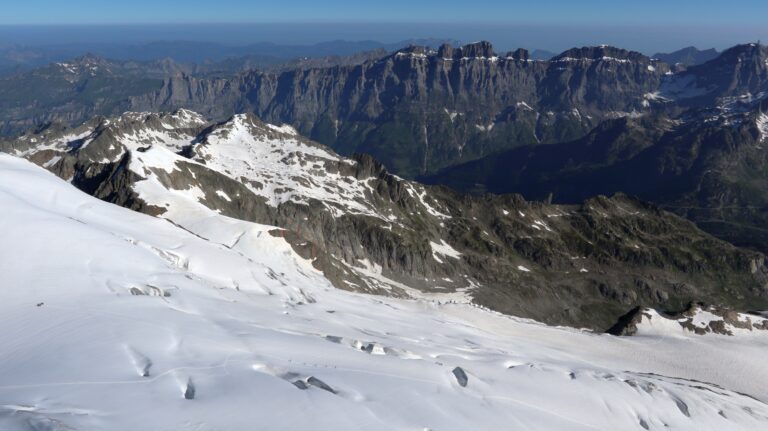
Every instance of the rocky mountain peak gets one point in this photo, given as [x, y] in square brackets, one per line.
[519, 54]
[162, 122]
[249, 124]
[746, 50]
[602, 52]
[751, 56]
[739, 74]
[414, 49]
[482, 49]
[446, 50]
[688, 56]
[86, 64]
[90, 59]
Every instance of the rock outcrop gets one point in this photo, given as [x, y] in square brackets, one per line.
[367, 230]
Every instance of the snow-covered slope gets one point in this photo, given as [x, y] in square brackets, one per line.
[373, 232]
[275, 162]
[116, 320]
[697, 320]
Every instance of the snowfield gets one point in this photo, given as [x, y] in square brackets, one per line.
[278, 163]
[115, 320]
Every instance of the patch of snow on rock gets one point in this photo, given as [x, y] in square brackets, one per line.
[762, 126]
[443, 249]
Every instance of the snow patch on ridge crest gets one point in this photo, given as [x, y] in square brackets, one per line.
[274, 162]
[61, 143]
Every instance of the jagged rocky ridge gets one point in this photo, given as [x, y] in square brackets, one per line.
[583, 265]
[688, 56]
[710, 167]
[738, 74]
[416, 110]
[74, 91]
[419, 110]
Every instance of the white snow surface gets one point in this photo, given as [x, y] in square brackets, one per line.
[60, 143]
[524, 106]
[762, 126]
[653, 323]
[282, 168]
[443, 249]
[680, 87]
[232, 317]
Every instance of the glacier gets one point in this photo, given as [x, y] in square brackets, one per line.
[117, 320]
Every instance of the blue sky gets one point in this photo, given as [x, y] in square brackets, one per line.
[584, 11]
[645, 25]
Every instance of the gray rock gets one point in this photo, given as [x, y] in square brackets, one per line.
[314, 381]
[461, 376]
[189, 391]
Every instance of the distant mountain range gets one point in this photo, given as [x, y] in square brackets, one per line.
[417, 110]
[708, 163]
[16, 58]
[423, 112]
[542, 54]
[689, 56]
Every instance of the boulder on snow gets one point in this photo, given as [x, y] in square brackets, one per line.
[461, 376]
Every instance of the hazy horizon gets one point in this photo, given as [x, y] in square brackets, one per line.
[647, 39]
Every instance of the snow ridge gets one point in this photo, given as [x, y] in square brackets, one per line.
[282, 167]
